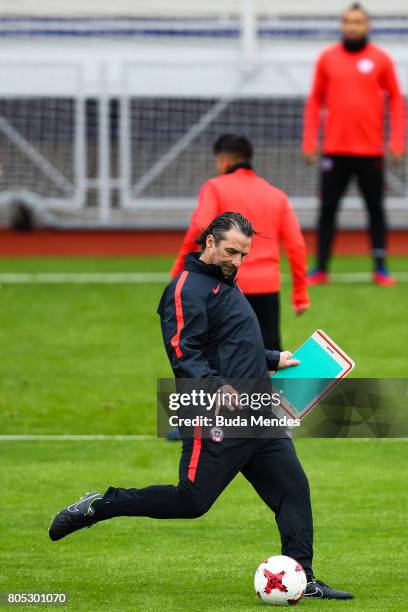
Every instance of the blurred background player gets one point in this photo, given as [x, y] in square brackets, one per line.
[350, 81]
[239, 189]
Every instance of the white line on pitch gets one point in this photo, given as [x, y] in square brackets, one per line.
[73, 438]
[84, 277]
[363, 277]
[148, 277]
[133, 438]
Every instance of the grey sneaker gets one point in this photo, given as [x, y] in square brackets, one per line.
[74, 517]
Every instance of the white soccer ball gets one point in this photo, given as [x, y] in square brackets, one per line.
[280, 581]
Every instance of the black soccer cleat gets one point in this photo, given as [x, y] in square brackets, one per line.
[74, 517]
[318, 589]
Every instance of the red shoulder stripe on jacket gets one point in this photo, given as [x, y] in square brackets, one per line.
[175, 341]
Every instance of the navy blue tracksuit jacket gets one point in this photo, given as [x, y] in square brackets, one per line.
[209, 328]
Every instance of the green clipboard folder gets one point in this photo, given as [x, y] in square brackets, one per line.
[322, 364]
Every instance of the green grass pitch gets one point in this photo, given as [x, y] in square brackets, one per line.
[84, 359]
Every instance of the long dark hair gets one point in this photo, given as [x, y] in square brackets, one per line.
[222, 224]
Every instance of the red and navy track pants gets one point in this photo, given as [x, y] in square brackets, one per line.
[206, 469]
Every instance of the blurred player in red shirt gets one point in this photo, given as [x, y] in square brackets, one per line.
[239, 189]
[353, 81]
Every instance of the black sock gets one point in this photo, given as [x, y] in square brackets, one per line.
[321, 267]
[379, 259]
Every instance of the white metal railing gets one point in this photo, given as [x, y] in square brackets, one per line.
[291, 79]
[68, 193]
[207, 81]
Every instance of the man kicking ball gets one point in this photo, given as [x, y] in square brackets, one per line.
[210, 331]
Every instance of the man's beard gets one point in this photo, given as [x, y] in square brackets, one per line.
[354, 44]
[228, 271]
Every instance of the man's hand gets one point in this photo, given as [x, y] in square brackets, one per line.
[286, 360]
[231, 402]
[311, 158]
[300, 308]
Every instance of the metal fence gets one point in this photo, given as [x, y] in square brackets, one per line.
[120, 134]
